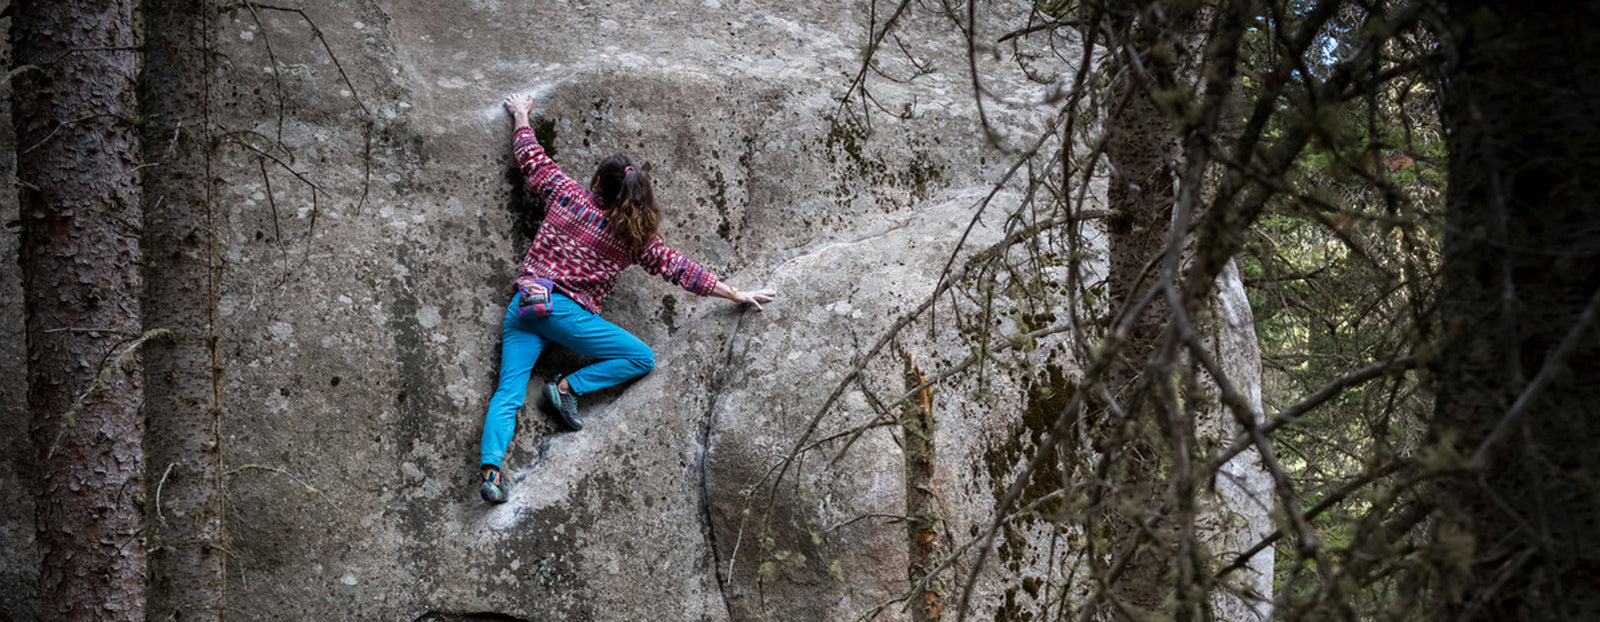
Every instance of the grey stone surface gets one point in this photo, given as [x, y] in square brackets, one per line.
[398, 298]
[1237, 513]
[374, 222]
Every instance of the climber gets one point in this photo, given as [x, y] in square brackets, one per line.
[588, 236]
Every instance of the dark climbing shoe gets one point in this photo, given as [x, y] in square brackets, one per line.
[492, 489]
[562, 405]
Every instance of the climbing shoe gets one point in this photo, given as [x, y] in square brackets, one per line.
[491, 489]
[562, 405]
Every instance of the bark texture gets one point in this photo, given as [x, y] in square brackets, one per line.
[1522, 268]
[182, 374]
[924, 547]
[1145, 148]
[78, 148]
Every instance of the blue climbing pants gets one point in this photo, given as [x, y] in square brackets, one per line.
[620, 357]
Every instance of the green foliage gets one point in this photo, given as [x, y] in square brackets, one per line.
[1341, 273]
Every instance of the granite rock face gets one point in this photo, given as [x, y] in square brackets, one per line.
[375, 221]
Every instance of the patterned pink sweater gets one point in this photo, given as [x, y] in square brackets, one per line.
[575, 248]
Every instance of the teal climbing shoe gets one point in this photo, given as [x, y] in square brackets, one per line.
[562, 405]
[492, 489]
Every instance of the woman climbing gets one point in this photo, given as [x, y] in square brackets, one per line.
[588, 236]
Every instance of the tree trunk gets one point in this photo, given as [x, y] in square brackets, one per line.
[79, 199]
[924, 521]
[1145, 149]
[183, 376]
[1521, 270]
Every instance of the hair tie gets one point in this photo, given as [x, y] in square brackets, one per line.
[627, 170]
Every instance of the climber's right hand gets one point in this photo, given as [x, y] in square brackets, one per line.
[519, 105]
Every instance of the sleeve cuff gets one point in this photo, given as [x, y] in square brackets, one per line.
[708, 285]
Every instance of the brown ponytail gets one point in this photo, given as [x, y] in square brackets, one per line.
[628, 201]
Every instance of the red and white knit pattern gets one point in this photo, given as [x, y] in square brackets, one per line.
[575, 248]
